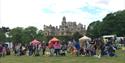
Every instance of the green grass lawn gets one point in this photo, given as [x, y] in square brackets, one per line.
[66, 59]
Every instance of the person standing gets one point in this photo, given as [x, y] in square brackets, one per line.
[43, 48]
[57, 47]
[51, 48]
[1, 50]
[4, 51]
[30, 48]
[77, 46]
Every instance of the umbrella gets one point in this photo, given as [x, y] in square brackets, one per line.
[34, 42]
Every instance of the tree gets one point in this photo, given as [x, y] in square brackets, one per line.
[16, 34]
[77, 35]
[93, 29]
[2, 36]
[25, 35]
[112, 23]
[29, 34]
[40, 36]
[31, 31]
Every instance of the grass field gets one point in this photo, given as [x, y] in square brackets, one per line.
[66, 59]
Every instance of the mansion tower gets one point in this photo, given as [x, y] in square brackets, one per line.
[65, 29]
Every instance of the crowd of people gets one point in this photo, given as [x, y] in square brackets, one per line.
[90, 48]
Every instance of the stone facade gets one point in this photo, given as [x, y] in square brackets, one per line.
[66, 28]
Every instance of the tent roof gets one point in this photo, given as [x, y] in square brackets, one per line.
[85, 38]
[54, 39]
[35, 41]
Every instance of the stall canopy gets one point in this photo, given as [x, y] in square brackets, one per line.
[34, 42]
[83, 40]
[53, 40]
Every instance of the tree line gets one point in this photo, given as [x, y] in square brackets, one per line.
[112, 23]
[20, 34]
[26, 35]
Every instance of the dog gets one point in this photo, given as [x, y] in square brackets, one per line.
[62, 52]
[47, 53]
[74, 52]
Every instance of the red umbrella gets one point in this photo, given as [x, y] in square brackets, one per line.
[34, 42]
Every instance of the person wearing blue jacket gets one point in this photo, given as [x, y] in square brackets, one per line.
[77, 46]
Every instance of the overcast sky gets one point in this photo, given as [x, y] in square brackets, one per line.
[23, 13]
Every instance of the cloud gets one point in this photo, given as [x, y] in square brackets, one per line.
[39, 12]
[91, 9]
[106, 2]
[112, 5]
[47, 10]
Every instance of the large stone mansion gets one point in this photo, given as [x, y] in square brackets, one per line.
[65, 29]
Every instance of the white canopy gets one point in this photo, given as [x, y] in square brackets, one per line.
[85, 38]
